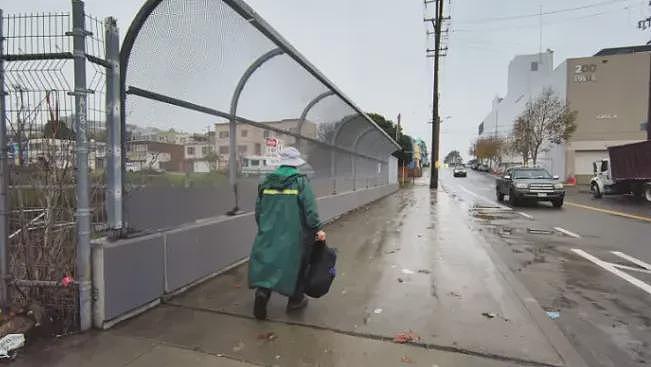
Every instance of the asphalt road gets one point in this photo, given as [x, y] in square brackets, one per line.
[586, 260]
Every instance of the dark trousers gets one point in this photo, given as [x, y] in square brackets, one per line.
[301, 281]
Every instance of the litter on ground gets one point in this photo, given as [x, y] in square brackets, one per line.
[553, 314]
[11, 342]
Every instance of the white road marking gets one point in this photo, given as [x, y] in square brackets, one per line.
[525, 215]
[626, 267]
[485, 199]
[566, 232]
[632, 259]
[611, 268]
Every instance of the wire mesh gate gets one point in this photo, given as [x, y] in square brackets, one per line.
[59, 75]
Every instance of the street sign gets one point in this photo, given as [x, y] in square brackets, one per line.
[272, 142]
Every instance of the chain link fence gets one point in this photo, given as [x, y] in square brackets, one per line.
[212, 93]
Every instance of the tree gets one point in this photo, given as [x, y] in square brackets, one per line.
[453, 157]
[404, 140]
[489, 148]
[546, 120]
[519, 141]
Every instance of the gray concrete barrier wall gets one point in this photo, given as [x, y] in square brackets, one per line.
[129, 275]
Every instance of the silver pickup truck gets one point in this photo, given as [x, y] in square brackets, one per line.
[527, 183]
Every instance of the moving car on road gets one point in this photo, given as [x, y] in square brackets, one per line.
[483, 168]
[459, 171]
[529, 183]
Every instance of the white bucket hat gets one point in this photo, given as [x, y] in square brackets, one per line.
[291, 157]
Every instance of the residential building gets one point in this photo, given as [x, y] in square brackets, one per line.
[199, 156]
[61, 153]
[254, 141]
[152, 155]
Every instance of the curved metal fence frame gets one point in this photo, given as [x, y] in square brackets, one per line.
[282, 48]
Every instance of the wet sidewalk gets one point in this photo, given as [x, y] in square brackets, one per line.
[408, 263]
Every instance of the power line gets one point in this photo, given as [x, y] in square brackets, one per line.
[560, 21]
[545, 13]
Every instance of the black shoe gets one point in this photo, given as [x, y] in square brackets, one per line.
[260, 305]
[296, 304]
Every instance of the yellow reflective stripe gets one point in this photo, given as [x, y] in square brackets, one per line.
[278, 192]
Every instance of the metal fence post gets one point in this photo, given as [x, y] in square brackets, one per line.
[82, 188]
[233, 153]
[114, 129]
[4, 177]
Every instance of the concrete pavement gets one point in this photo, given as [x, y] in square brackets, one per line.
[409, 263]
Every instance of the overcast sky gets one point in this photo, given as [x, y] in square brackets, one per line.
[374, 50]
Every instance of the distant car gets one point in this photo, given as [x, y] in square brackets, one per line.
[459, 171]
[483, 168]
[529, 183]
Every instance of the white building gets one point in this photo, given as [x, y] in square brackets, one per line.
[609, 91]
[198, 155]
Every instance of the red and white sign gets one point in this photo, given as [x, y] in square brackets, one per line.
[273, 142]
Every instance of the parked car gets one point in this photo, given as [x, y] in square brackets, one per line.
[627, 171]
[459, 171]
[529, 183]
[483, 168]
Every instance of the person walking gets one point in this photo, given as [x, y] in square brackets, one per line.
[288, 226]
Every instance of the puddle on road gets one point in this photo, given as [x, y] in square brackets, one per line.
[491, 212]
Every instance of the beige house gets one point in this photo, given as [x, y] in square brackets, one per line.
[252, 141]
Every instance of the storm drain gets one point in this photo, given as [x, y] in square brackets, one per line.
[491, 212]
[539, 231]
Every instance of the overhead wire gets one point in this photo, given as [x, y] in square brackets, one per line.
[545, 13]
[532, 26]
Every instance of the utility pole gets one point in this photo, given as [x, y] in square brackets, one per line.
[436, 120]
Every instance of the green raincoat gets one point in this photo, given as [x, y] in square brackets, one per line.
[287, 215]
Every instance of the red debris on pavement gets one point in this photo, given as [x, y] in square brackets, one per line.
[406, 337]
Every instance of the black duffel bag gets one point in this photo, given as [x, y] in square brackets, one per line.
[321, 272]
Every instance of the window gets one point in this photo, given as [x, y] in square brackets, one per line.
[223, 134]
[531, 173]
[266, 134]
[534, 66]
[206, 150]
[223, 149]
[244, 133]
[189, 150]
[254, 163]
[258, 149]
[242, 149]
[604, 166]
